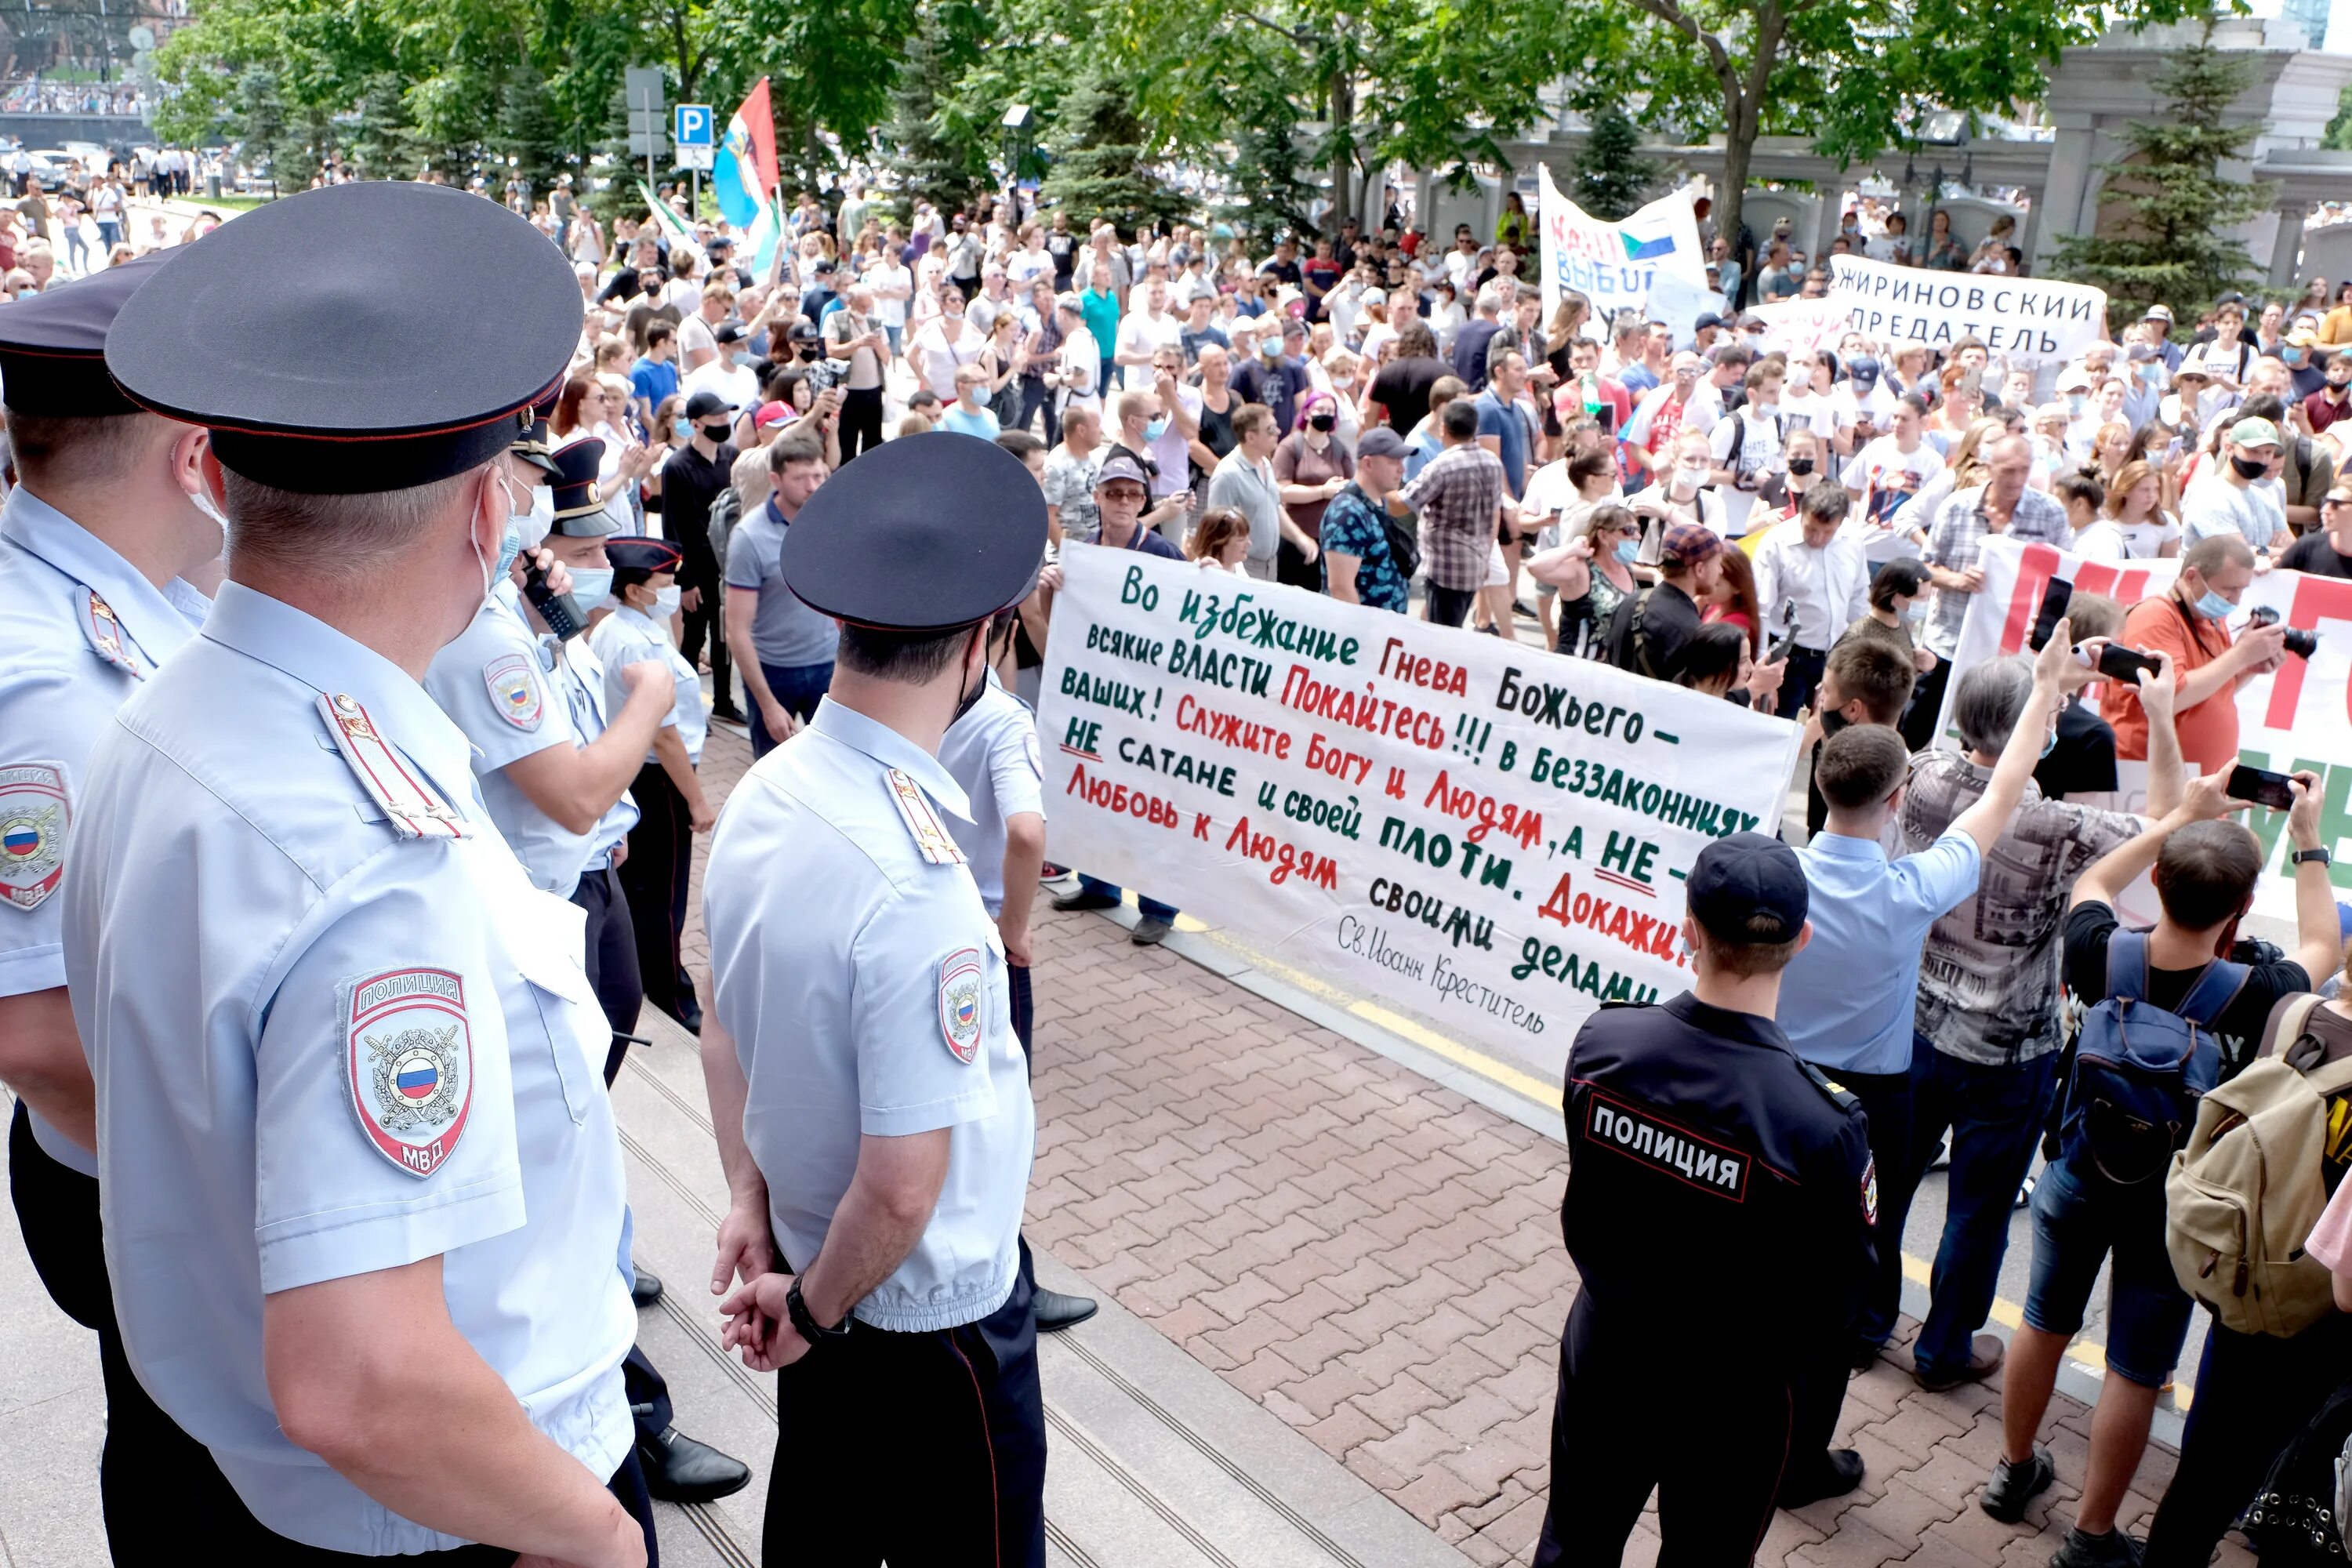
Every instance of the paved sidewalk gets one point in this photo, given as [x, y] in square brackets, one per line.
[1377, 1261]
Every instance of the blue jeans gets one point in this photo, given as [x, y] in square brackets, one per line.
[797, 686]
[2076, 1227]
[1151, 909]
[1995, 1115]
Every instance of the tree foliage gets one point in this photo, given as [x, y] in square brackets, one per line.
[1101, 163]
[1611, 176]
[2176, 241]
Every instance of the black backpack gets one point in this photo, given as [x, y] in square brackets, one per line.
[2294, 1519]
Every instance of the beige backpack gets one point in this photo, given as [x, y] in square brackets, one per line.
[2242, 1196]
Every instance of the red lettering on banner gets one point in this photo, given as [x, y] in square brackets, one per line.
[2125, 585]
[2316, 599]
[2035, 570]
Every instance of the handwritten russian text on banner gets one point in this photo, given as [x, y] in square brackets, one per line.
[1803, 326]
[1494, 837]
[2027, 320]
[1612, 264]
[2294, 719]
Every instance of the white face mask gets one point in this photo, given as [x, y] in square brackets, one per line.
[666, 602]
[590, 586]
[202, 499]
[490, 577]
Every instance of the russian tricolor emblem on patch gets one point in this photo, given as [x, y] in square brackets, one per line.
[412, 1065]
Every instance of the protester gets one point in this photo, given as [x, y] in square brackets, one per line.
[2188, 623]
[1459, 498]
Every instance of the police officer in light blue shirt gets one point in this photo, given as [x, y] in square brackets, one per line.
[870, 1097]
[554, 778]
[991, 754]
[1851, 996]
[363, 1193]
[93, 542]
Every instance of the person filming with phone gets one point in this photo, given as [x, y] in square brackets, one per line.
[2190, 623]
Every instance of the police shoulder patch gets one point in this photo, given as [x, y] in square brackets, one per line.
[1647, 1138]
[960, 1013]
[1870, 1192]
[34, 815]
[1837, 1094]
[410, 1060]
[515, 690]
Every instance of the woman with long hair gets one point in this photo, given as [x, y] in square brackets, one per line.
[1594, 574]
[1310, 467]
[1960, 399]
[2110, 450]
[1219, 540]
[1733, 599]
[2136, 505]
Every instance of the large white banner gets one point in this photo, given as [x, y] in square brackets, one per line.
[1492, 835]
[2026, 321]
[2294, 719]
[1612, 264]
[1803, 326]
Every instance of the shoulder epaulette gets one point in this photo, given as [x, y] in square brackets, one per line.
[105, 635]
[923, 824]
[413, 807]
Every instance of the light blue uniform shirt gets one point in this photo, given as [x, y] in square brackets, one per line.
[292, 1007]
[507, 687]
[866, 988]
[628, 636]
[1847, 1001]
[80, 630]
[579, 674]
[991, 754]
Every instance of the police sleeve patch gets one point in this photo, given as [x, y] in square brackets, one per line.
[515, 691]
[960, 1004]
[412, 1065]
[1870, 1192]
[34, 815]
[1648, 1139]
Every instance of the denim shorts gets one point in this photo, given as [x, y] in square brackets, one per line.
[2075, 1230]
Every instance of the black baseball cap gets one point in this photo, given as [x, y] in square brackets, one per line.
[326, 362]
[926, 533]
[1749, 889]
[705, 404]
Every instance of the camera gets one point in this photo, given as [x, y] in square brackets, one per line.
[823, 375]
[2301, 643]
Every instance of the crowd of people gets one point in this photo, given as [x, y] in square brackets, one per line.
[35, 96]
[1395, 423]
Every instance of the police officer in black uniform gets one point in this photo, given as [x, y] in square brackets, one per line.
[1720, 1210]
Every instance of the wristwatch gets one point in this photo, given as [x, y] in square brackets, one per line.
[2320, 856]
[805, 1321]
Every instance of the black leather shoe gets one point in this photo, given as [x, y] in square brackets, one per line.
[1057, 1312]
[679, 1469]
[1086, 899]
[1836, 1473]
[645, 1288]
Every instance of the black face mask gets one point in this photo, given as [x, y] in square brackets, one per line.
[970, 699]
[807, 356]
[2249, 467]
[1323, 421]
[716, 432]
[1833, 721]
[1801, 465]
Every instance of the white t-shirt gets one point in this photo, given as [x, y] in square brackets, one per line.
[693, 333]
[735, 383]
[1023, 267]
[2213, 505]
[1762, 454]
[1877, 471]
[891, 309]
[1816, 411]
[2146, 540]
[2103, 541]
[938, 359]
[1847, 407]
[1142, 333]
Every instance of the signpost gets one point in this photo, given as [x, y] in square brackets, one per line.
[643, 85]
[695, 133]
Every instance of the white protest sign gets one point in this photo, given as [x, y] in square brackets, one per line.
[2294, 719]
[1802, 326]
[1612, 264]
[1679, 303]
[2027, 320]
[1492, 835]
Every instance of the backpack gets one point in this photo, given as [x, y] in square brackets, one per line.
[2295, 1517]
[2139, 1070]
[2242, 1196]
[724, 510]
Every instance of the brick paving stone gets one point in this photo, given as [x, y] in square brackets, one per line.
[1377, 1261]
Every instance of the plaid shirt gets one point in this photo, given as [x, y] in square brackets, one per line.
[1958, 534]
[1458, 497]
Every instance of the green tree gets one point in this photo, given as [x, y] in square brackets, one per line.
[2338, 137]
[1612, 177]
[1853, 75]
[385, 145]
[526, 137]
[2176, 243]
[1101, 164]
[932, 144]
[1272, 190]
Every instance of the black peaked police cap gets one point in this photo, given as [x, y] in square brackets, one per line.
[325, 360]
[53, 346]
[926, 533]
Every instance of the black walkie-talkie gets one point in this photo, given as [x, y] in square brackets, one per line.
[560, 611]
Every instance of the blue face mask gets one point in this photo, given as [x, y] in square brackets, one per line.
[2212, 607]
[2291, 356]
[1627, 549]
[2049, 742]
[684, 428]
[1156, 429]
[591, 585]
[509, 546]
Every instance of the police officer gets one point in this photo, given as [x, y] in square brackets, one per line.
[871, 1098]
[991, 754]
[554, 777]
[1720, 1193]
[364, 1197]
[93, 543]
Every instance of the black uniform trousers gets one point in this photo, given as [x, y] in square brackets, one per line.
[145, 1469]
[927, 1450]
[613, 975]
[2255, 1394]
[232, 1535]
[1918, 725]
[706, 622]
[1632, 1418]
[654, 879]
